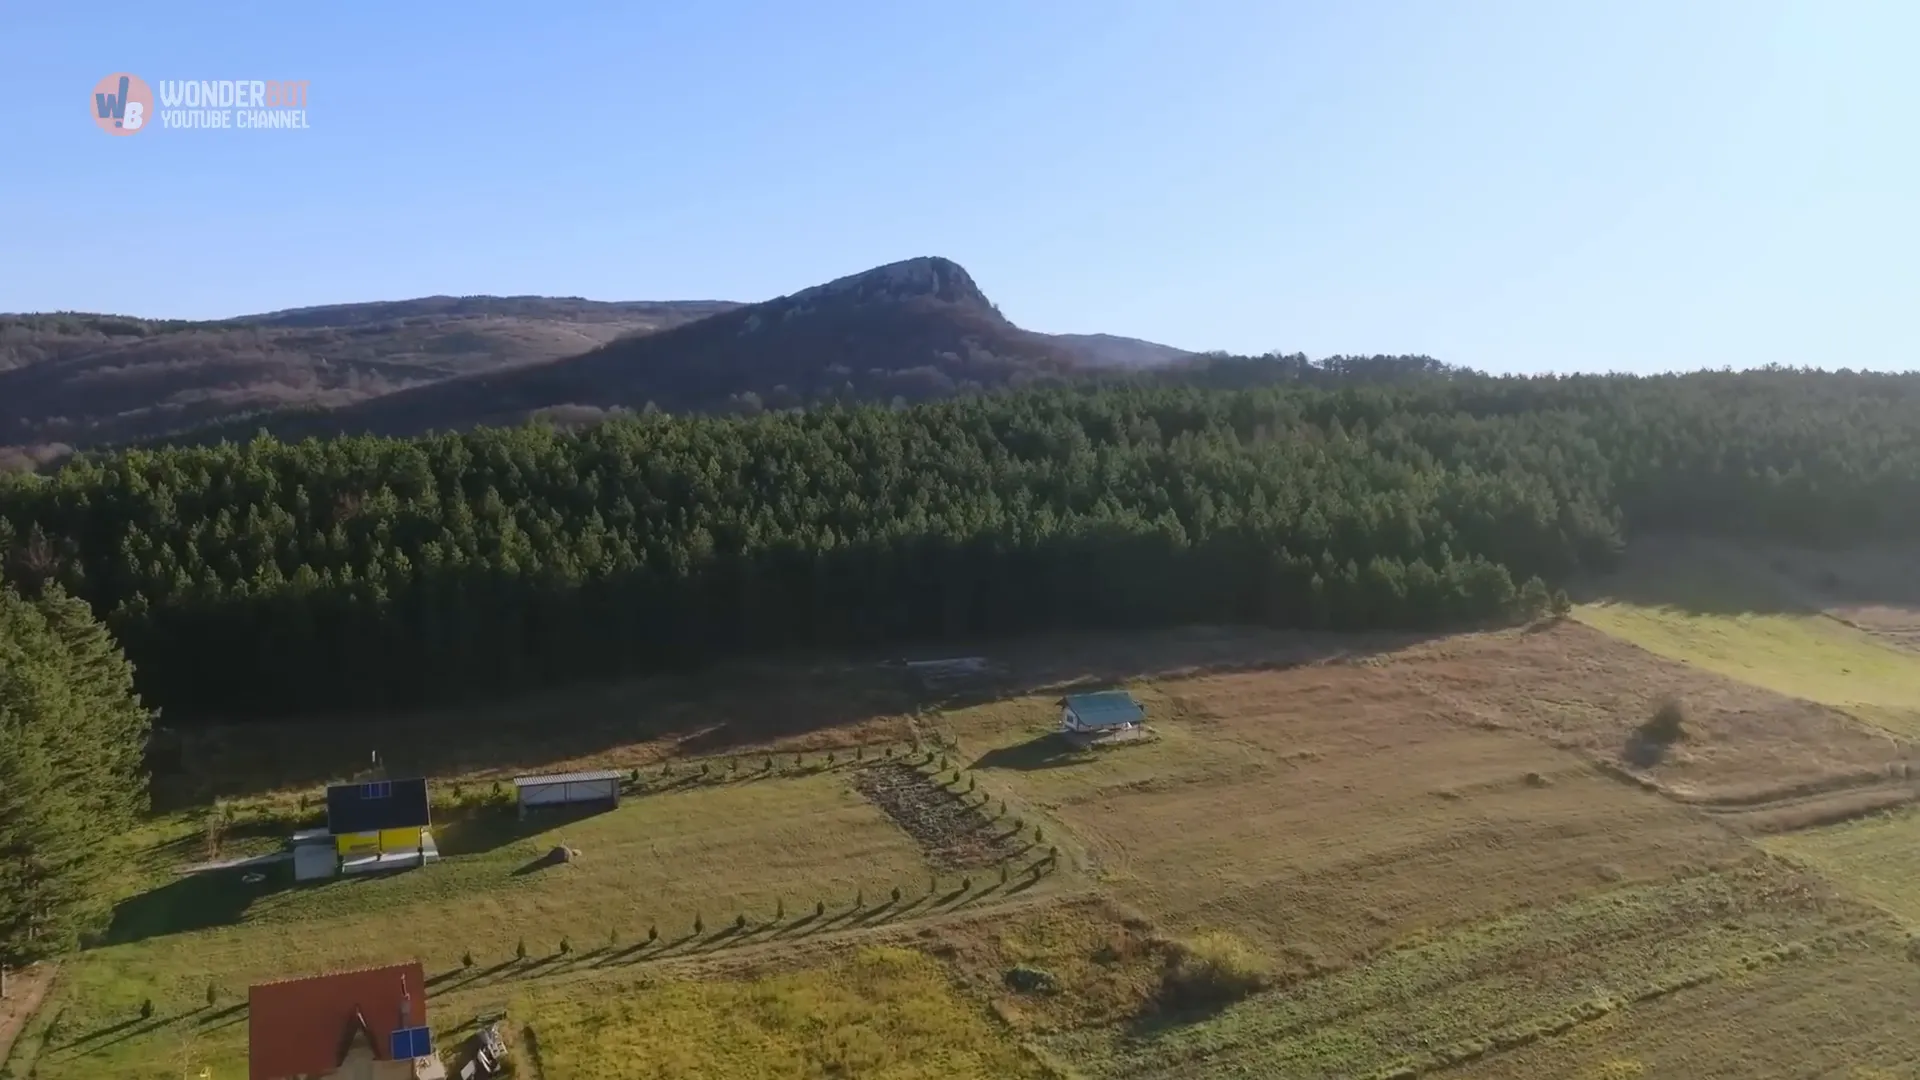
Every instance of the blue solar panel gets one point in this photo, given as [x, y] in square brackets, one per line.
[412, 1043]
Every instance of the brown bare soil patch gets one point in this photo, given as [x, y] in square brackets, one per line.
[25, 989]
[955, 835]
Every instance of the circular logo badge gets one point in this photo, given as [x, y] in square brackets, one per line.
[121, 104]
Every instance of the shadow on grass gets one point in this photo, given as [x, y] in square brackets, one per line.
[1154, 1022]
[800, 925]
[1699, 576]
[192, 902]
[1049, 751]
[436, 980]
[473, 976]
[98, 1033]
[589, 718]
[546, 860]
[884, 911]
[227, 1013]
[977, 895]
[486, 829]
[1642, 752]
[145, 1028]
[1025, 883]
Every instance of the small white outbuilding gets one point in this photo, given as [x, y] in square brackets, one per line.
[568, 789]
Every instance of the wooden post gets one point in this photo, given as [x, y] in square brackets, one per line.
[3, 981]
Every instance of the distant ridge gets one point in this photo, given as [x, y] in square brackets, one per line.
[910, 330]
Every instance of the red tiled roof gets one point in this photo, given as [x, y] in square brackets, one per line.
[301, 1026]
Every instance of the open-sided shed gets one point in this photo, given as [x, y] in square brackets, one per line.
[600, 787]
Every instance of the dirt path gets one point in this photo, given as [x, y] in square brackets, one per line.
[25, 990]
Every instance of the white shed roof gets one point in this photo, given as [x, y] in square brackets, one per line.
[568, 778]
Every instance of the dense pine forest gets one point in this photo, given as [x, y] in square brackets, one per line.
[272, 578]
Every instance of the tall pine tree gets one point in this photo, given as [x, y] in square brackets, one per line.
[72, 739]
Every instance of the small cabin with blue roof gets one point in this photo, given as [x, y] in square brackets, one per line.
[1101, 713]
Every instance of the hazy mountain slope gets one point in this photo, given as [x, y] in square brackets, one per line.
[1106, 350]
[84, 379]
[912, 330]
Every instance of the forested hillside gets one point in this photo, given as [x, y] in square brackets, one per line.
[272, 578]
[74, 379]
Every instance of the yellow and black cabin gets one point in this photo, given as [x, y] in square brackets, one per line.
[377, 816]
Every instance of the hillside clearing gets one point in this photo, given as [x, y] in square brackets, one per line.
[747, 847]
[1730, 612]
[1282, 804]
[1430, 840]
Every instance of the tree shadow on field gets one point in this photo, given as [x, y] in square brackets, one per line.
[126, 1032]
[227, 1013]
[740, 704]
[98, 1033]
[700, 712]
[1714, 576]
[191, 902]
[1642, 752]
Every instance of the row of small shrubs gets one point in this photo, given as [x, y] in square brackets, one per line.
[461, 797]
[741, 922]
[767, 763]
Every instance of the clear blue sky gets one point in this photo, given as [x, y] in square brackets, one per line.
[1524, 185]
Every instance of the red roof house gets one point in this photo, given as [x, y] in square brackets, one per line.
[341, 1024]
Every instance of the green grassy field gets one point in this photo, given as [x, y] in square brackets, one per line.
[714, 852]
[886, 1013]
[1877, 858]
[1728, 615]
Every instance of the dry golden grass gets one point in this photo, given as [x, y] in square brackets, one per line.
[1432, 842]
[1328, 812]
[1585, 690]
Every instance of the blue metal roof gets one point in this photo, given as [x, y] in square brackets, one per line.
[1108, 708]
